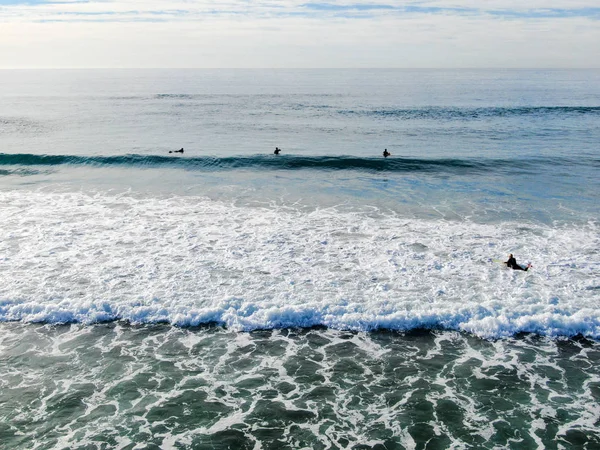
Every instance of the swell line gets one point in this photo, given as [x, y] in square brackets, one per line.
[449, 113]
[292, 162]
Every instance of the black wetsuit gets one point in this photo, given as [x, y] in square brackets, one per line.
[512, 263]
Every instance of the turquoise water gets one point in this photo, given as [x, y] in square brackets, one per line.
[323, 298]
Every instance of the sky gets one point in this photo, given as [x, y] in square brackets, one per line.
[299, 34]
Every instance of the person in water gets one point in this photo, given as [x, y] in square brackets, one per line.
[512, 264]
[277, 151]
[386, 153]
[176, 151]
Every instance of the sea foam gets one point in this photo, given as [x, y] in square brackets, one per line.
[81, 257]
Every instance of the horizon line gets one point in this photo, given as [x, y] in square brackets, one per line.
[301, 68]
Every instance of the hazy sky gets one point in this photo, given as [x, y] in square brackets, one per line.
[290, 33]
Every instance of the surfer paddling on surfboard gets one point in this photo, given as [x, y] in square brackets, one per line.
[512, 264]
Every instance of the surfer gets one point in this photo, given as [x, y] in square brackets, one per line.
[386, 153]
[176, 151]
[277, 151]
[512, 264]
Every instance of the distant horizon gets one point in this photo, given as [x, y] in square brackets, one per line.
[303, 68]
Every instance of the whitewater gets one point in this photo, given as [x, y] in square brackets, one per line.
[73, 257]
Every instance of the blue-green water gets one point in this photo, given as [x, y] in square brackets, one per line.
[157, 386]
[326, 297]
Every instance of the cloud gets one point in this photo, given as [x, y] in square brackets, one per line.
[124, 10]
[290, 33]
[350, 7]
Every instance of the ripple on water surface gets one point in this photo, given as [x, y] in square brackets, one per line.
[82, 386]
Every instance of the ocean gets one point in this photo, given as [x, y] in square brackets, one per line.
[323, 298]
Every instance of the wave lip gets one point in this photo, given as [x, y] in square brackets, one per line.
[290, 162]
[245, 316]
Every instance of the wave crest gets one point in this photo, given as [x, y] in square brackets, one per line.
[292, 162]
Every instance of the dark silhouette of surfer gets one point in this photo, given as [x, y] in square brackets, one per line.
[277, 151]
[176, 151]
[512, 263]
[386, 153]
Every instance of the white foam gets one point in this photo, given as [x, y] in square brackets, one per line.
[77, 257]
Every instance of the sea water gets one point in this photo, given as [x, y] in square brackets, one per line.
[326, 297]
